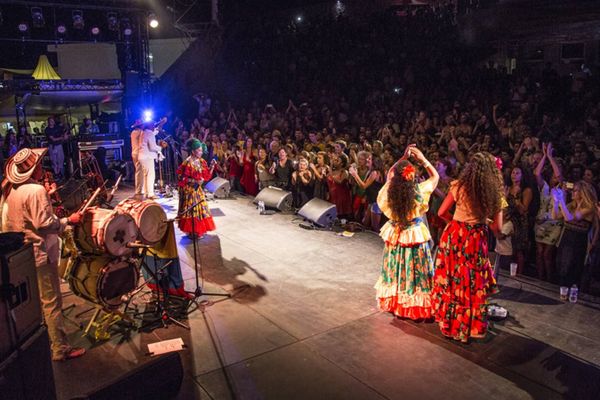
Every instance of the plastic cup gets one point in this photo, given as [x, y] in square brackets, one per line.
[564, 293]
[513, 269]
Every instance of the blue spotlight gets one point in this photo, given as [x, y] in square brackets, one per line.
[148, 115]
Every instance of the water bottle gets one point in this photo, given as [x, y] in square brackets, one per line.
[261, 207]
[573, 294]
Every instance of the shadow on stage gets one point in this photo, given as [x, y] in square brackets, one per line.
[538, 368]
[234, 275]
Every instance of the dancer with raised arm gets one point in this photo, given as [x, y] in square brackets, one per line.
[463, 273]
[404, 287]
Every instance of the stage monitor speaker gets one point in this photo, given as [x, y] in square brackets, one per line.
[158, 379]
[27, 373]
[219, 187]
[20, 310]
[320, 212]
[276, 198]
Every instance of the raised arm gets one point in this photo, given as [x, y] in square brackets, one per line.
[390, 174]
[553, 164]
[540, 167]
[434, 177]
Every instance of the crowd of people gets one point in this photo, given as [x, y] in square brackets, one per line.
[361, 95]
[334, 109]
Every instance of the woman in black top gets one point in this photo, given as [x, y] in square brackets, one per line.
[303, 183]
[371, 185]
[282, 168]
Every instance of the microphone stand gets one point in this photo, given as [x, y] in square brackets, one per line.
[198, 271]
[162, 299]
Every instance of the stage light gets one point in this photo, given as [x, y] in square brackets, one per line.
[78, 21]
[23, 27]
[112, 21]
[37, 17]
[95, 31]
[148, 115]
[127, 31]
[61, 29]
[153, 21]
[299, 18]
[340, 8]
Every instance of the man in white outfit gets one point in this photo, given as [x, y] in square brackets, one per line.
[148, 152]
[26, 207]
[136, 143]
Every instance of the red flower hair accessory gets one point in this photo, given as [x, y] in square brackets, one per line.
[408, 173]
[498, 163]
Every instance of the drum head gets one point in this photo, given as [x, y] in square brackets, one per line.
[118, 231]
[152, 223]
[149, 216]
[102, 280]
[119, 277]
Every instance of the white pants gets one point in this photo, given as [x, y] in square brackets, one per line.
[148, 176]
[138, 176]
[51, 302]
[57, 156]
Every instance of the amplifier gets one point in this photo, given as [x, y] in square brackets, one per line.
[20, 310]
[114, 149]
[26, 374]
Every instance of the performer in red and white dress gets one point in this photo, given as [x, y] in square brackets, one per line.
[192, 173]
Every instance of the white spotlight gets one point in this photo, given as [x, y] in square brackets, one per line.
[153, 21]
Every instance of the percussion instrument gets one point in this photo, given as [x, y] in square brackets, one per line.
[102, 280]
[105, 231]
[149, 217]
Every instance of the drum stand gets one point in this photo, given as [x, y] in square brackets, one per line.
[161, 292]
[198, 270]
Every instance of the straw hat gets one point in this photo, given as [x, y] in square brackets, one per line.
[20, 167]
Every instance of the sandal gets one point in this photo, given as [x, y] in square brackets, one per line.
[73, 352]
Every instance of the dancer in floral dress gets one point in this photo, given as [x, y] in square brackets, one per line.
[463, 273]
[404, 286]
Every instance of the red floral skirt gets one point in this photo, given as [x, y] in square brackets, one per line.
[462, 282]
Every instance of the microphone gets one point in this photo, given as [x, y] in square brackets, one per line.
[137, 245]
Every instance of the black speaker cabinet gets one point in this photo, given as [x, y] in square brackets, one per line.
[276, 198]
[158, 379]
[20, 311]
[320, 212]
[219, 187]
[26, 374]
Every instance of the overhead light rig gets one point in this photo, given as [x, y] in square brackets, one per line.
[63, 21]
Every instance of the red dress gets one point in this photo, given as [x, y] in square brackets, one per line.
[248, 180]
[192, 173]
[340, 195]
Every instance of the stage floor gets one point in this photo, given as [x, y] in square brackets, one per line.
[302, 323]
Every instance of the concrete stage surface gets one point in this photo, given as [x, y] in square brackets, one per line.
[302, 323]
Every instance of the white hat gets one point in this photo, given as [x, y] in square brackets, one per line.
[20, 166]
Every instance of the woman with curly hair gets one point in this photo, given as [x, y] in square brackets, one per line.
[404, 286]
[463, 273]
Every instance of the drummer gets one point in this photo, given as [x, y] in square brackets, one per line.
[26, 208]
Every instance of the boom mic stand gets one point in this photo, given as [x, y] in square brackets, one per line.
[198, 271]
[162, 299]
